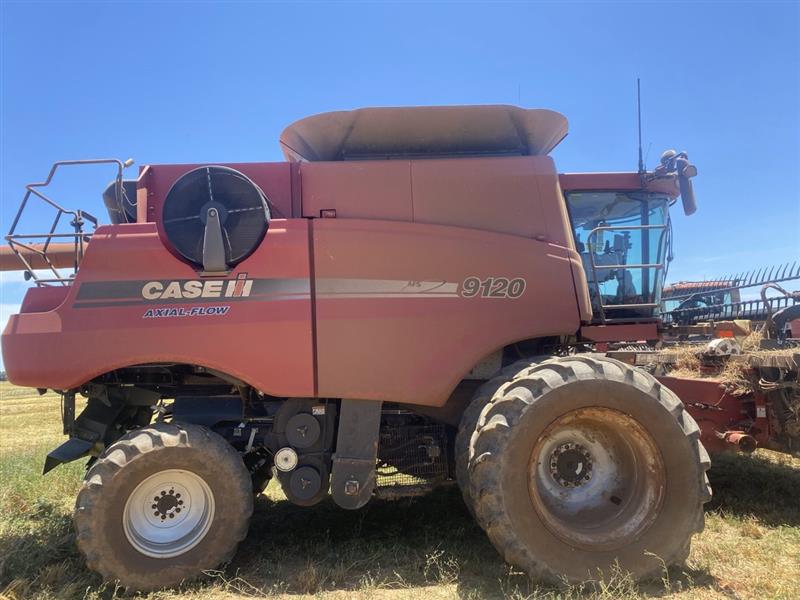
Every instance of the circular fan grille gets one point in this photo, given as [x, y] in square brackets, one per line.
[242, 207]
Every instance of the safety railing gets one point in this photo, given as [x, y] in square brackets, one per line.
[657, 266]
[26, 246]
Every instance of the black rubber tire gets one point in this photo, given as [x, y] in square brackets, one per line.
[469, 420]
[136, 456]
[507, 432]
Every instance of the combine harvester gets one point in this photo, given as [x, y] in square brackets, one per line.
[415, 297]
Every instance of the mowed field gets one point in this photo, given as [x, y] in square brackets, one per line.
[423, 548]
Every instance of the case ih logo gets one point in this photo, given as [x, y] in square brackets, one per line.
[188, 290]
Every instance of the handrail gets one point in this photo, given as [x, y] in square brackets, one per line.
[79, 219]
[595, 268]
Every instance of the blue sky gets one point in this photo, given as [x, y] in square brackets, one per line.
[214, 82]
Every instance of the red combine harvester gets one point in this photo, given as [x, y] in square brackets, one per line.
[407, 301]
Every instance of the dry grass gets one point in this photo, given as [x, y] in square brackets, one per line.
[737, 378]
[421, 548]
[685, 361]
[752, 342]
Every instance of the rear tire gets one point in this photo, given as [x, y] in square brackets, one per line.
[161, 505]
[583, 465]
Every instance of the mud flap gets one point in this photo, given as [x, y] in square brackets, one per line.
[353, 473]
[72, 449]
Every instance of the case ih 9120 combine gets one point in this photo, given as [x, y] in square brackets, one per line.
[398, 305]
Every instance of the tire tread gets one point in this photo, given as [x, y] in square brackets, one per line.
[493, 430]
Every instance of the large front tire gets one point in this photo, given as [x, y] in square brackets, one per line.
[582, 466]
[161, 505]
[469, 420]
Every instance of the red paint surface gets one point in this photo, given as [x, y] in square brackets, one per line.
[266, 344]
[416, 350]
[405, 221]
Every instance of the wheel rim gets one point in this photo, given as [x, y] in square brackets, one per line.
[596, 478]
[168, 513]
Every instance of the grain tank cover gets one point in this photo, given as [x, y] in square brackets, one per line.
[423, 132]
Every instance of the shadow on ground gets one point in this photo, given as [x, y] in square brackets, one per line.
[751, 485]
[414, 543]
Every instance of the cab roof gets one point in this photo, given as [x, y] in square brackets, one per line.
[423, 132]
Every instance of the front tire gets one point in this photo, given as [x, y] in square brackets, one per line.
[583, 465]
[161, 505]
[469, 420]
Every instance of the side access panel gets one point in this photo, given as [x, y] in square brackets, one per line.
[130, 304]
[395, 321]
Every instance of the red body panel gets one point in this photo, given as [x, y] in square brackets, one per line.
[375, 190]
[392, 323]
[265, 341]
[275, 180]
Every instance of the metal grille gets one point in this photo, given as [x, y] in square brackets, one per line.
[412, 455]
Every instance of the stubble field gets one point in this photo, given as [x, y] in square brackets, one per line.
[422, 548]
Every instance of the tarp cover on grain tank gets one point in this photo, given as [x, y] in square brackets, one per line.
[423, 132]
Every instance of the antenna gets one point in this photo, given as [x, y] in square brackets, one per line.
[639, 114]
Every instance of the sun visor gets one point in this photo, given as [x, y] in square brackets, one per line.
[423, 132]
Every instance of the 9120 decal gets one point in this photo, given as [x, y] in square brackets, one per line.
[493, 287]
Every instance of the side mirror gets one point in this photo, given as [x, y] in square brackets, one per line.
[686, 171]
[687, 195]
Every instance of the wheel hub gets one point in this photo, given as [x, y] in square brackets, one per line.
[167, 504]
[571, 465]
[168, 513]
[596, 478]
